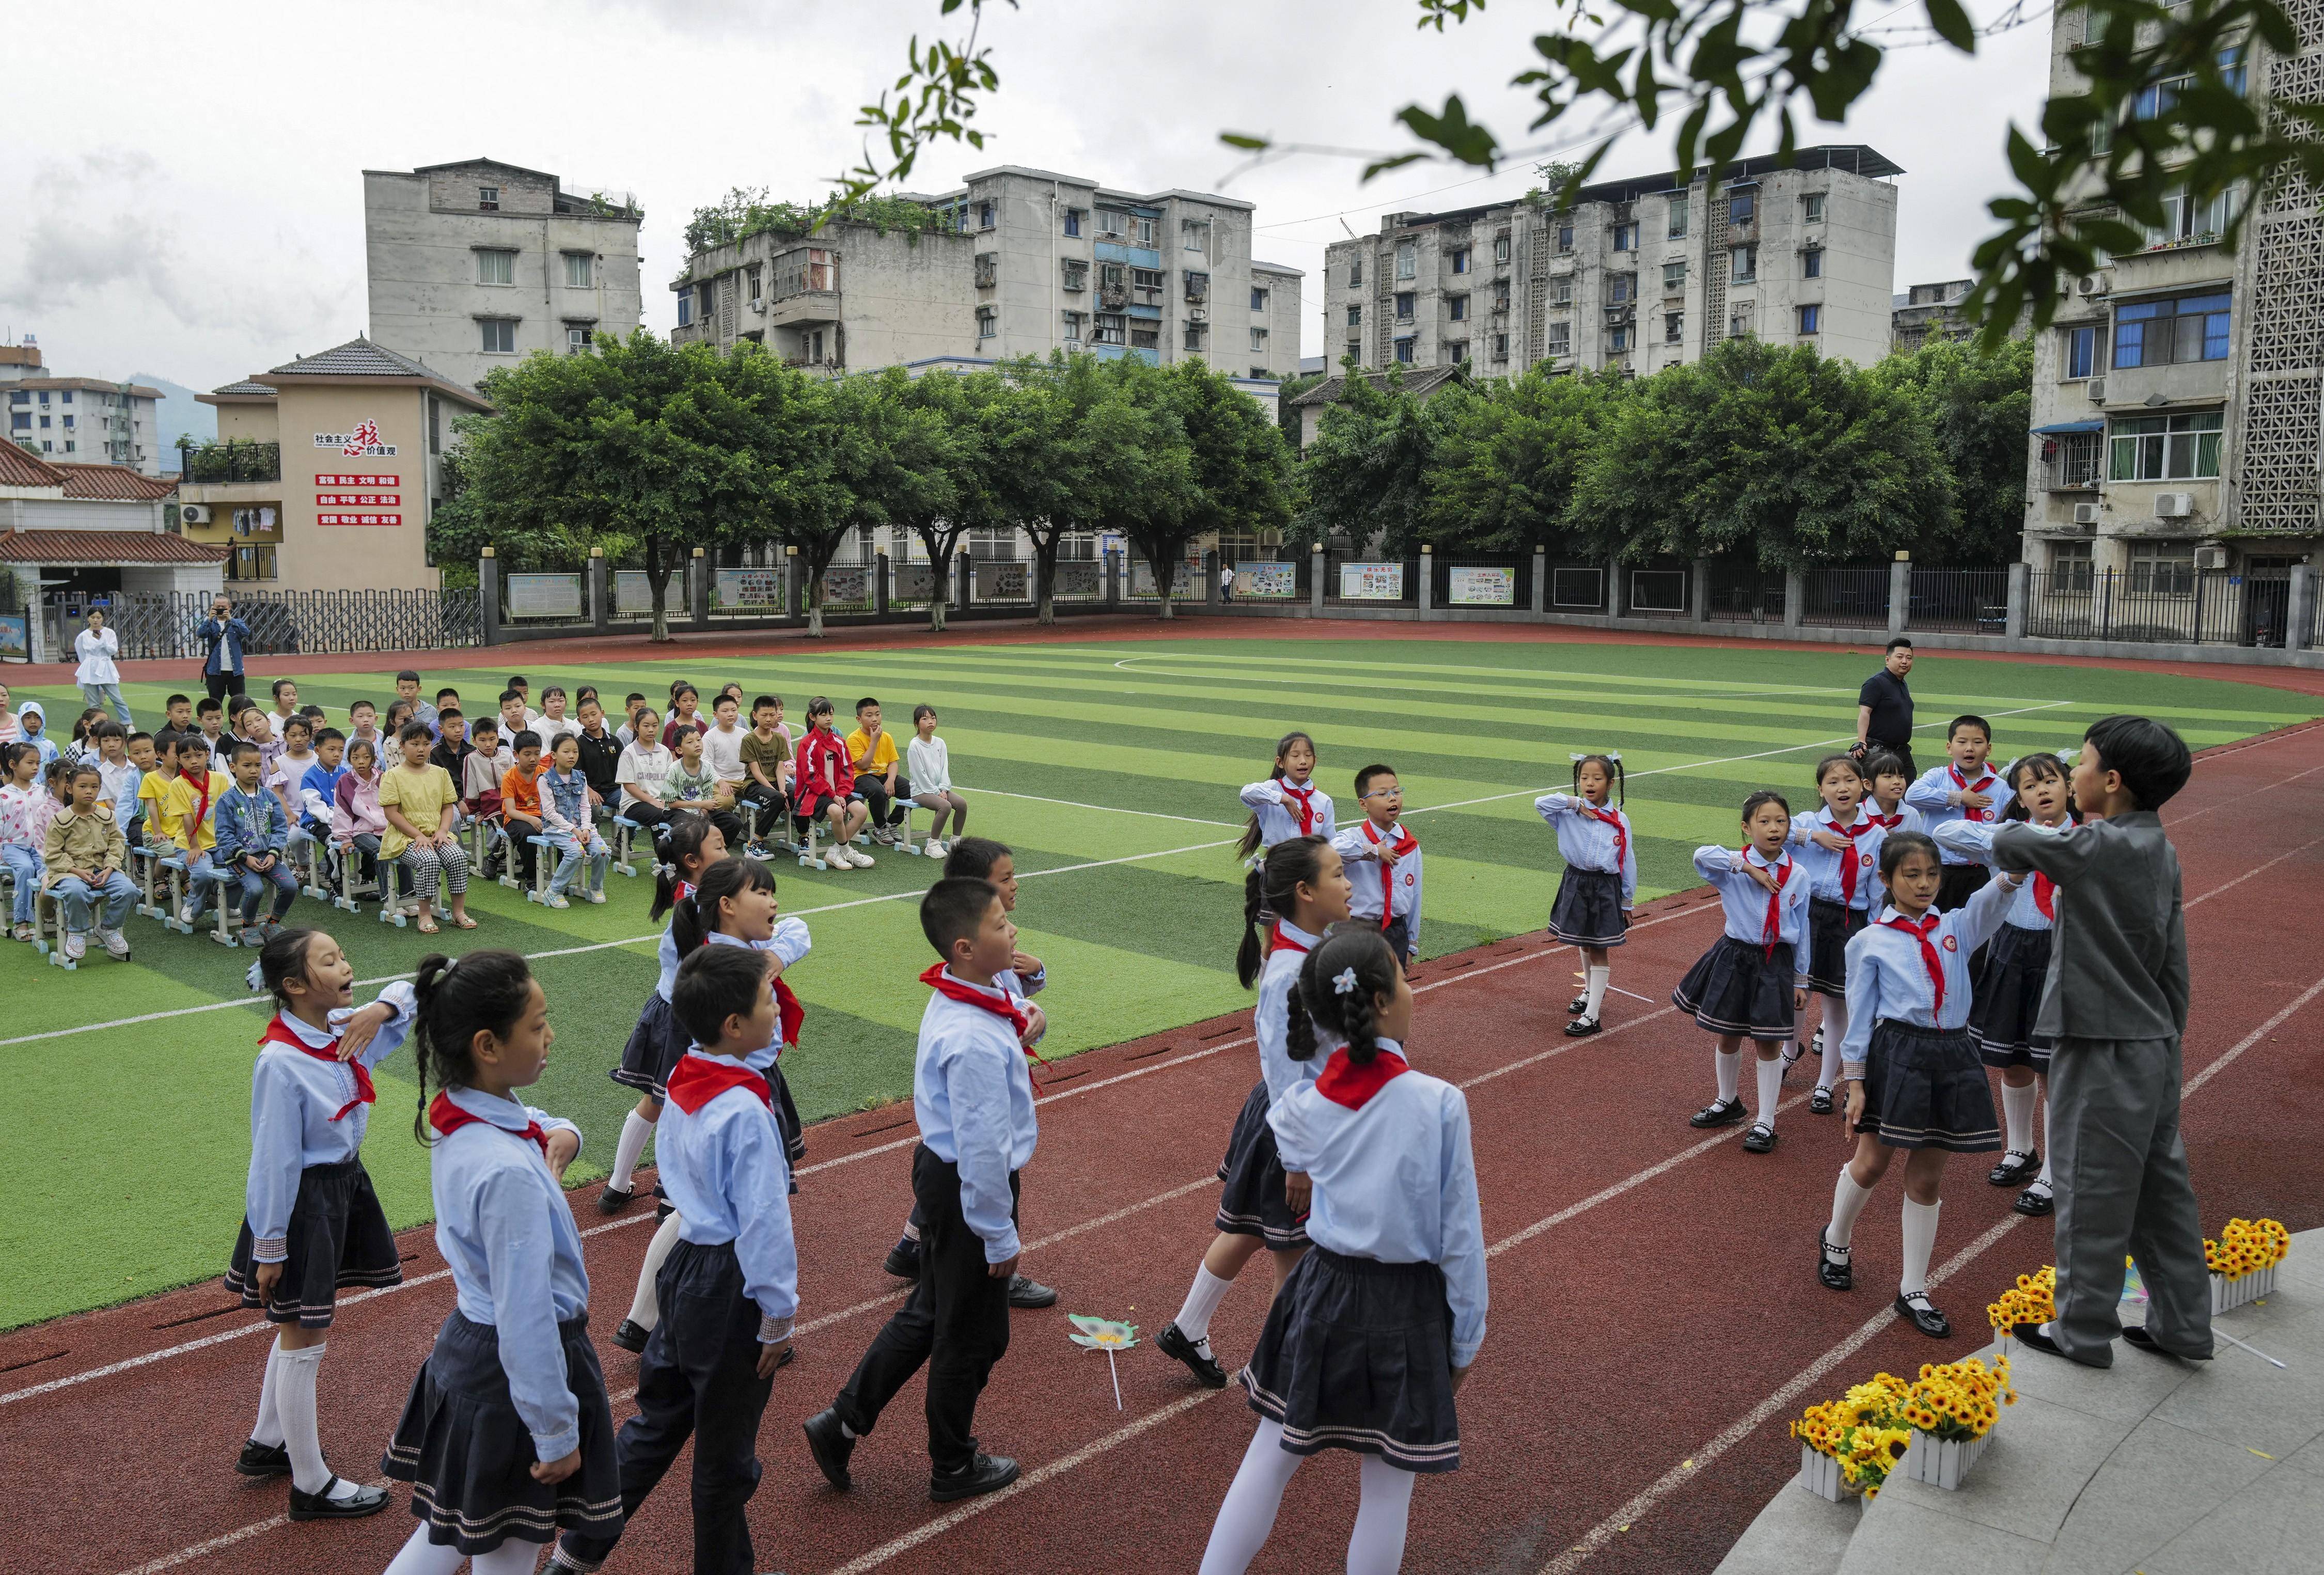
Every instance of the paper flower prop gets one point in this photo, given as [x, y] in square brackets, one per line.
[1108, 1335]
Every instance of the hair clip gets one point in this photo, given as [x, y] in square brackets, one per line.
[1577, 756]
[256, 977]
[1344, 981]
[1615, 756]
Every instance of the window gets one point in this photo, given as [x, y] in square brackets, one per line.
[1259, 341]
[498, 335]
[1738, 321]
[1500, 347]
[2190, 220]
[1560, 339]
[577, 336]
[1404, 300]
[1074, 273]
[752, 277]
[1112, 328]
[1621, 287]
[1404, 350]
[581, 270]
[1258, 299]
[1198, 286]
[1741, 206]
[1145, 338]
[1673, 327]
[1460, 259]
[2164, 569]
[65, 397]
[19, 397]
[1356, 351]
[1619, 338]
[495, 267]
[1626, 237]
[1459, 306]
[2157, 99]
[1407, 259]
[21, 421]
[1811, 319]
[2165, 448]
[1355, 316]
[2070, 569]
[1811, 262]
[45, 420]
[1560, 292]
[988, 270]
[1110, 282]
[1073, 221]
[1072, 324]
[2157, 333]
[1674, 277]
[1500, 295]
[69, 421]
[251, 562]
[1501, 248]
[70, 446]
[1261, 372]
[1355, 273]
[1113, 222]
[1194, 235]
[2232, 68]
[2079, 351]
[1678, 216]
[1565, 238]
[488, 199]
[1193, 337]
[44, 396]
[988, 322]
[1742, 264]
[702, 297]
[1456, 352]
[985, 215]
[1812, 208]
[685, 309]
[1145, 286]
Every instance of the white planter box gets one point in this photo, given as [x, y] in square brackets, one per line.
[2227, 1292]
[1941, 1462]
[1821, 1475]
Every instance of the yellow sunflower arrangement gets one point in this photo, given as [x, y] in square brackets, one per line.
[2245, 1247]
[1960, 1400]
[2031, 1300]
[1861, 1430]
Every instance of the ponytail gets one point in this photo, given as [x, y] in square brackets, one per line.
[1248, 844]
[1299, 1027]
[1273, 889]
[696, 915]
[687, 835]
[480, 992]
[1251, 952]
[1351, 946]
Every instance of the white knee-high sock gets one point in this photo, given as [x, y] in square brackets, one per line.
[1376, 1547]
[294, 1401]
[513, 1557]
[635, 1131]
[1202, 1299]
[268, 1429]
[1728, 1065]
[1599, 978]
[420, 1556]
[2017, 1116]
[1247, 1514]
[2044, 1180]
[1835, 1029]
[1920, 1244]
[1848, 1200]
[645, 1308]
[1771, 1091]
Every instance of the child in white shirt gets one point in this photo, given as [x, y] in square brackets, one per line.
[930, 772]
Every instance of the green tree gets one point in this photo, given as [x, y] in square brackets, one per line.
[1043, 430]
[1367, 473]
[1290, 389]
[1238, 468]
[1977, 407]
[961, 491]
[1506, 460]
[1775, 455]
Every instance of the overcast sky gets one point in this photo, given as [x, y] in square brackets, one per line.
[194, 209]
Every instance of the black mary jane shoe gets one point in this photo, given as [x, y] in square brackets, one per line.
[1921, 1314]
[614, 1199]
[903, 1259]
[2135, 1336]
[829, 1442]
[2018, 1167]
[1759, 1139]
[1835, 1276]
[1820, 1103]
[321, 1505]
[260, 1460]
[1577, 1006]
[1178, 1348]
[985, 1474]
[632, 1336]
[1717, 1114]
[1582, 1028]
[2036, 1203]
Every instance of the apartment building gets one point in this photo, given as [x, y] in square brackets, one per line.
[2176, 408]
[1639, 273]
[1025, 262]
[78, 419]
[475, 265]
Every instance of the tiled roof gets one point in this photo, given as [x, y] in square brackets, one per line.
[103, 549]
[1423, 380]
[22, 468]
[246, 387]
[92, 385]
[116, 483]
[360, 358]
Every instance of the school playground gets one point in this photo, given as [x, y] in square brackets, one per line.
[1655, 1318]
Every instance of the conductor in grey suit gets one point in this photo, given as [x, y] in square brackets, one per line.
[2115, 999]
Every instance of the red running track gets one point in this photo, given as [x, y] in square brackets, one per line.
[1655, 1318]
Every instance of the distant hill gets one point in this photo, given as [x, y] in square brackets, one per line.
[178, 413]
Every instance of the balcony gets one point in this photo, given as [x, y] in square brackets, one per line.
[2072, 462]
[234, 460]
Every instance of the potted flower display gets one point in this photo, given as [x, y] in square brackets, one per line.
[2242, 1261]
[2031, 1300]
[1951, 1410]
[1849, 1446]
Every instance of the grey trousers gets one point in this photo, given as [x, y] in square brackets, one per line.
[2123, 1187]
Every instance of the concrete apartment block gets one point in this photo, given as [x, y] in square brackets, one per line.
[83, 420]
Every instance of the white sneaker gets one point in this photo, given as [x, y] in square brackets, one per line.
[555, 899]
[935, 850]
[862, 860]
[836, 858]
[190, 912]
[76, 946]
[116, 944]
[597, 896]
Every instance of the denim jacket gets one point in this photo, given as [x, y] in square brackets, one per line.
[250, 825]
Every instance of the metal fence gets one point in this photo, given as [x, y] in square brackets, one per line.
[1958, 601]
[1854, 598]
[1356, 580]
[1482, 579]
[2161, 606]
[1744, 593]
[236, 459]
[1268, 579]
[1577, 587]
[159, 625]
[1659, 590]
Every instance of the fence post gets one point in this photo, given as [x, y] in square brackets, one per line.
[488, 594]
[1113, 577]
[1211, 577]
[963, 582]
[1318, 561]
[597, 588]
[1700, 612]
[2299, 607]
[1427, 598]
[880, 583]
[794, 592]
[1541, 583]
[1616, 605]
[2013, 621]
[1795, 597]
[1900, 592]
[697, 589]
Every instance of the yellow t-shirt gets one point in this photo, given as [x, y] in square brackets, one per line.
[881, 759]
[421, 794]
[182, 799]
[153, 792]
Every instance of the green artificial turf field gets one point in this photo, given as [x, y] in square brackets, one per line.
[1110, 767]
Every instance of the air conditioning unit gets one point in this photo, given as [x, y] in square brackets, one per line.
[759, 305]
[1195, 314]
[2210, 558]
[1073, 346]
[2086, 514]
[2178, 506]
[2093, 284]
[2097, 386]
[194, 513]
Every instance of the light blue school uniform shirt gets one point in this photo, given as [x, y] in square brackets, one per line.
[973, 1096]
[1888, 973]
[725, 1171]
[1744, 901]
[1930, 796]
[295, 1101]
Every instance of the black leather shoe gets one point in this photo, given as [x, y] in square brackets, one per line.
[2016, 1168]
[1917, 1310]
[831, 1446]
[1582, 1028]
[1820, 1102]
[985, 1474]
[2135, 1336]
[1835, 1276]
[614, 1199]
[662, 1211]
[1178, 1348]
[630, 1338]
[1577, 1006]
[2036, 1203]
[323, 1507]
[1030, 1293]
[904, 1260]
[260, 1460]
[1717, 1114]
[2031, 1337]
[1759, 1139]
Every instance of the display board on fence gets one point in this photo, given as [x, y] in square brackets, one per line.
[912, 582]
[1080, 579]
[544, 596]
[1480, 587]
[1141, 580]
[1000, 582]
[759, 589]
[1372, 581]
[1277, 580]
[634, 597]
[847, 584]
[16, 637]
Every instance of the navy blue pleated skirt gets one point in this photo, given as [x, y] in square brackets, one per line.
[1252, 1202]
[337, 1238]
[1925, 1088]
[2009, 999]
[1738, 987]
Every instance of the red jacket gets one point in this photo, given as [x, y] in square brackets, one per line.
[824, 769]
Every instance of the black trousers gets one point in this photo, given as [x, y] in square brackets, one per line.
[699, 1379]
[527, 855]
[1958, 883]
[1902, 751]
[221, 684]
[772, 807]
[956, 1322]
[886, 808]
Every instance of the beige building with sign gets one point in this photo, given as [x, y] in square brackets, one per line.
[327, 471]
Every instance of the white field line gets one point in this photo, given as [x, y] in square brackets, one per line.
[2256, 869]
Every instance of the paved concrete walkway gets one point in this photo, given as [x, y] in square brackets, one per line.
[2152, 1468]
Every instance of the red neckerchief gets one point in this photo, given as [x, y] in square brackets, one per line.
[448, 1118]
[952, 988]
[2045, 890]
[1928, 958]
[1305, 798]
[1276, 941]
[789, 1011]
[1847, 860]
[1774, 927]
[698, 1080]
[201, 809]
[1343, 1082]
[1887, 822]
[1979, 786]
[279, 1033]
[1621, 832]
[1406, 842]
